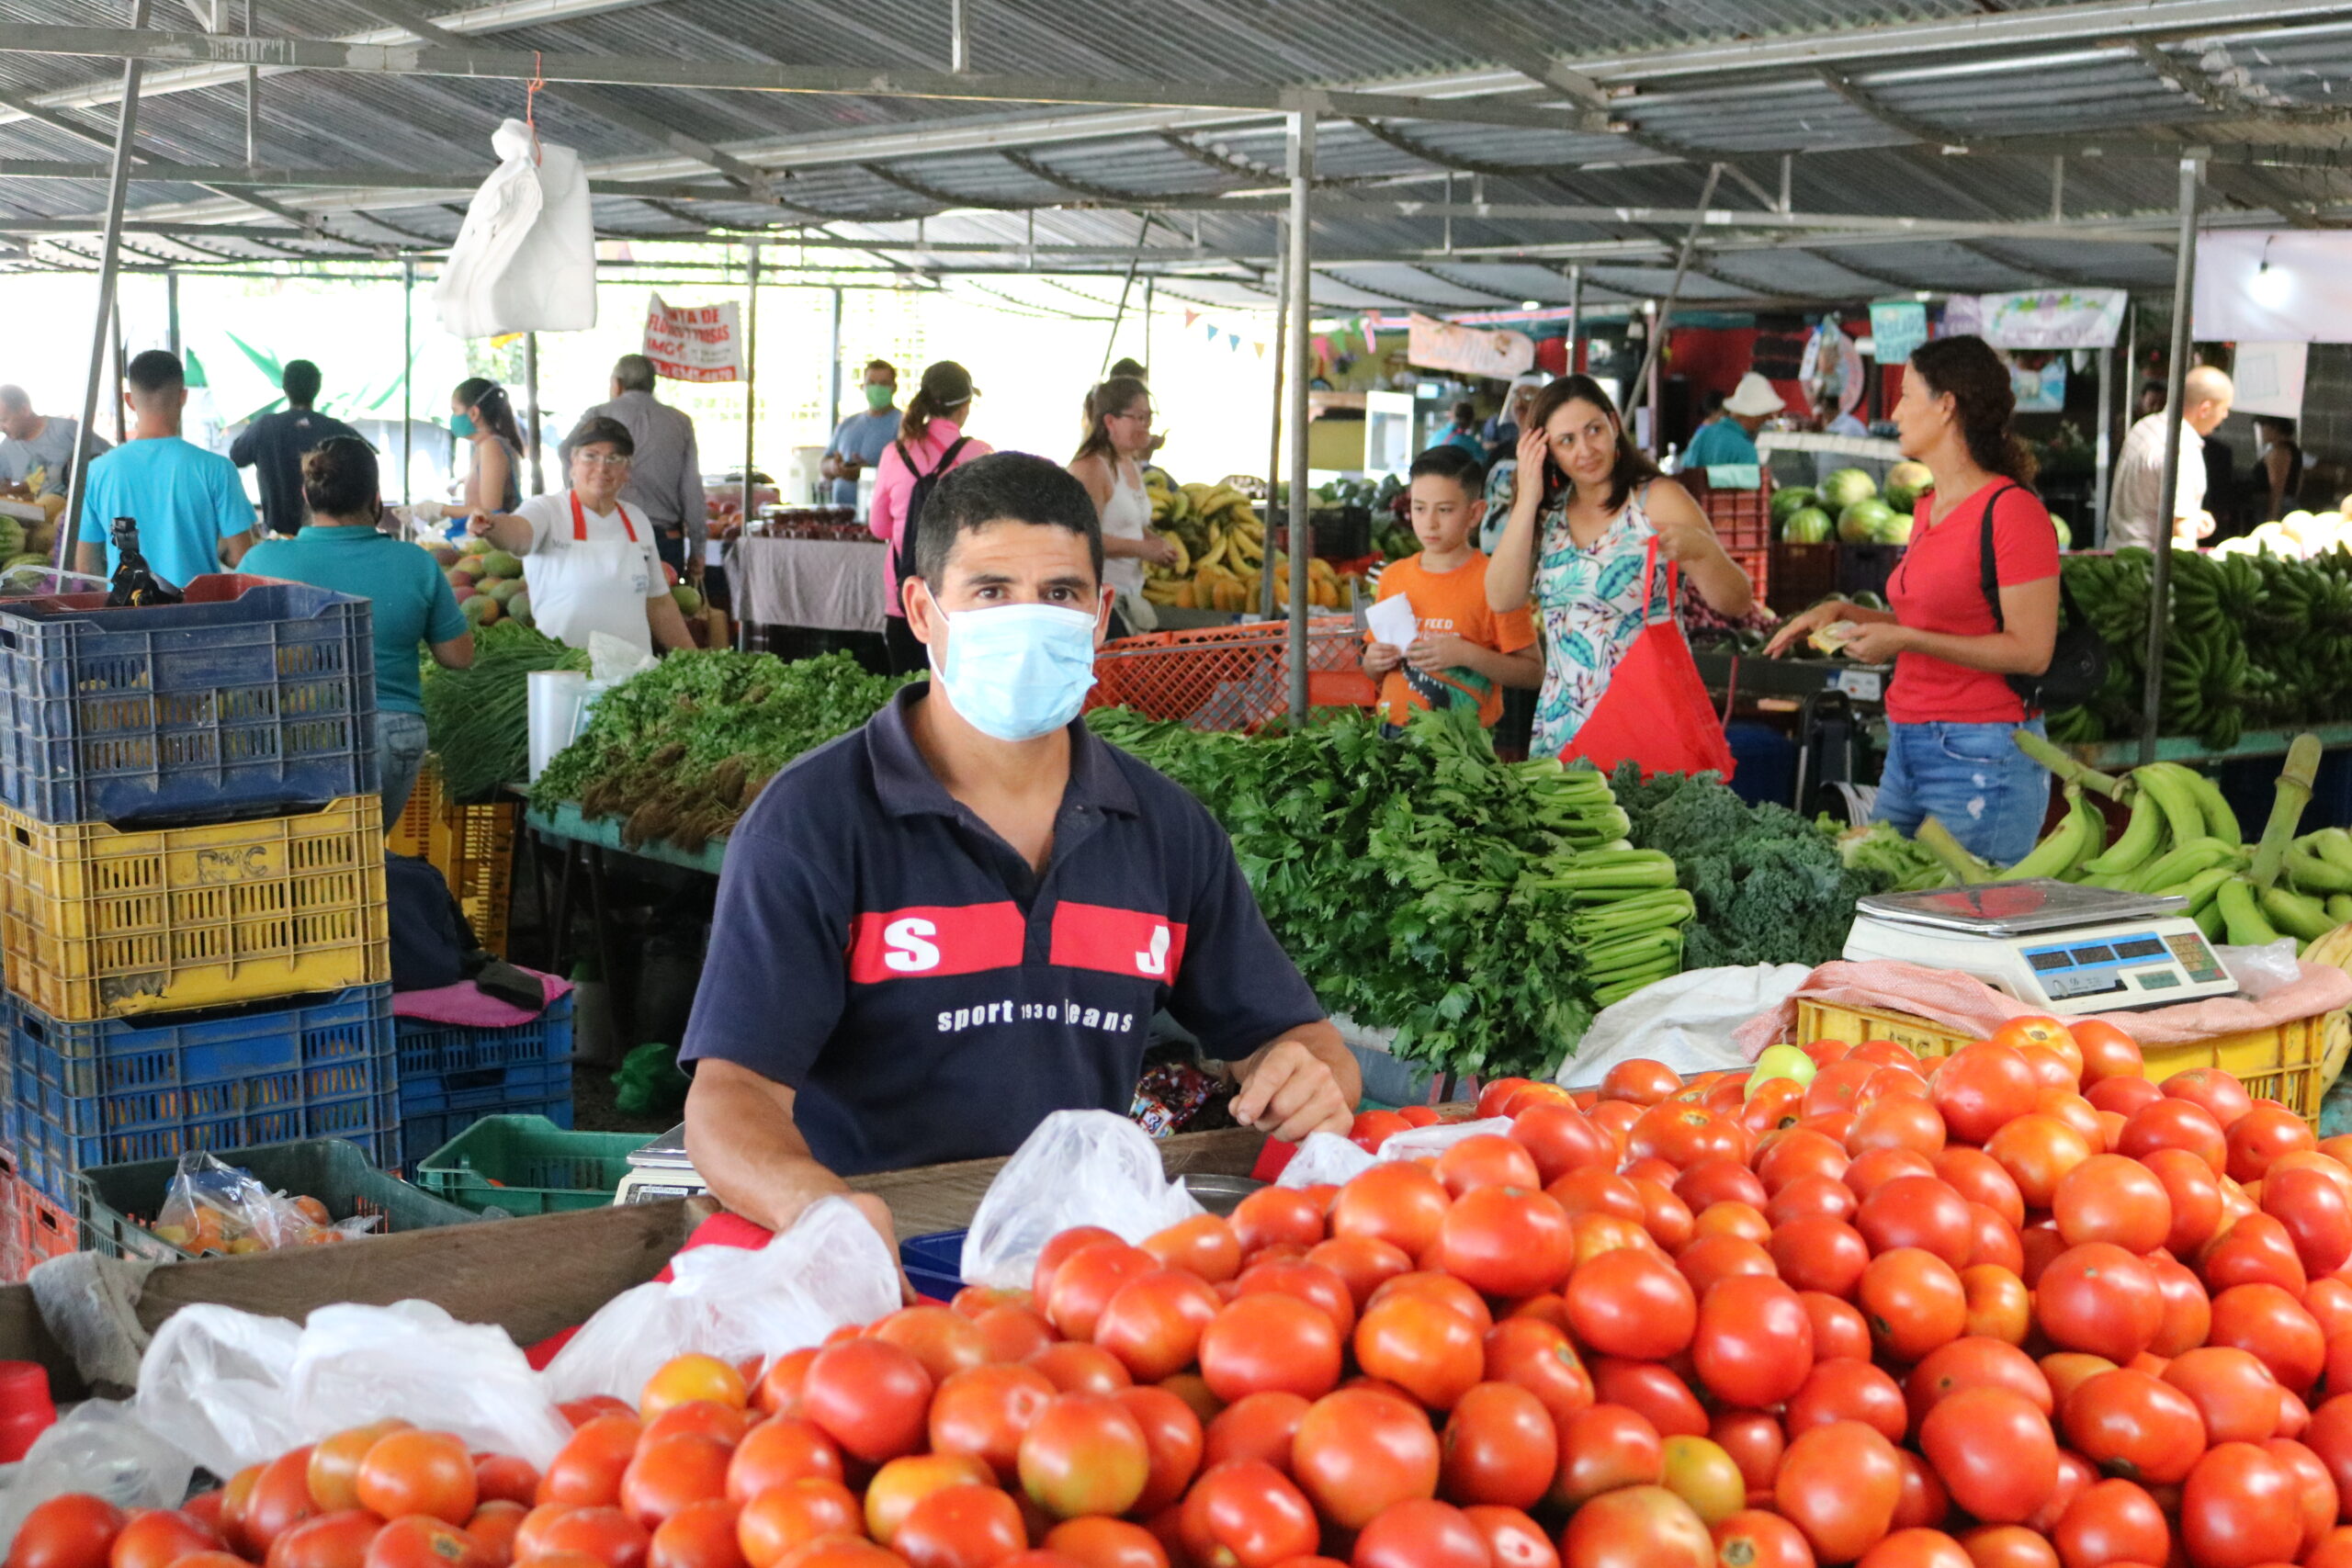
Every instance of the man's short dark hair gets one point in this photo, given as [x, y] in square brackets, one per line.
[874, 365]
[1131, 367]
[1003, 487]
[633, 373]
[301, 382]
[602, 430]
[1450, 461]
[154, 371]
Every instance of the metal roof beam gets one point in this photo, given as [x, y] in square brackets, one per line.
[1893, 119]
[738, 76]
[499, 15]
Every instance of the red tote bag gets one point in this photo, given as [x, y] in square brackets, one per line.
[1655, 713]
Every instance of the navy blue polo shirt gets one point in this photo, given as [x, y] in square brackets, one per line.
[882, 952]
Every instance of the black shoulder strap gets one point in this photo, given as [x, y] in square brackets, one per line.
[948, 458]
[1987, 568]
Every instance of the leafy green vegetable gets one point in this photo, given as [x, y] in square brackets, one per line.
[684, 748]
[478, 718]
[1770, 887]
[1483, 909]
[1877, 849]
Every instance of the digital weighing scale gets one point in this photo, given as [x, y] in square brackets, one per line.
[2054, 944]
[661, 1169]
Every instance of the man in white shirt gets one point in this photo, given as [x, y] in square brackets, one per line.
[2136, 507]
[589, 561]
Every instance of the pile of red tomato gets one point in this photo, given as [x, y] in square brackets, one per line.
[2021, 1308]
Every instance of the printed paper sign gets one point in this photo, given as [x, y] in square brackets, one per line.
[693, 343]
[1896, 328]
[1442, 346]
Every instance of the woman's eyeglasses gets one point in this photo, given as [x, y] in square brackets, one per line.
[610, 460]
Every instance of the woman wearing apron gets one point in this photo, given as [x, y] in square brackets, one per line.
[1577, 542]
[1110, 465]
[589, 561]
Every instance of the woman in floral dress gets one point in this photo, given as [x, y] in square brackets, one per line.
[1576, 543]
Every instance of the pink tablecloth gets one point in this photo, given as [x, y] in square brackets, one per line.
[463, 1004]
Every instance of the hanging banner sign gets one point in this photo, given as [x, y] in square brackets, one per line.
[1441, 345]
[1896, 328]
[2040, 389]
[2050, 318]
[693, 343]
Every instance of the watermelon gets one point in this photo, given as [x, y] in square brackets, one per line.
[498, 563]
[12, 536]
[1905, 482]
[482, 609]
[1844, 487]
[1808, 526]
[1787, 503]
[1896, 530]
[1861, 522]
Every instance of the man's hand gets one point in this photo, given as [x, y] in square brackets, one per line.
[1440, 651]
[695, 566]
[1380, 657]
[1287, 1092]
[878, 1214]
[1877, 642]
[479, 524]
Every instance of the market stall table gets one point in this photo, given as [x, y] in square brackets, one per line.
[820, 585]
[581, 839]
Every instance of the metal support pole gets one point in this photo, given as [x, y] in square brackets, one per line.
[1654, 368]
[2104, 451]
[1576, 319]
[1148, 307]
[1111, 343]
[253, 100]
[1655, 350]
[1274, 425]
[1788, 173]
[126, 126]
[408, 370]
[833, 395]
[959, 57]
[2184, 287]
[1302, 178]
[531, 401]
[751, 371]
[2058, 188]
[172, 311]
[121, 355]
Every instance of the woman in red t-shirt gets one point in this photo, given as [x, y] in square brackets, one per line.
[1951, 708]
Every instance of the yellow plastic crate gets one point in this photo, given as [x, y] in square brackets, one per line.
[99, 923]
[2282, 1062]
[472, 846]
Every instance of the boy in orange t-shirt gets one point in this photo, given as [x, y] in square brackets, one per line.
[1461, 651]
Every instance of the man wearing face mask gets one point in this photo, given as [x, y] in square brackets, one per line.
[938, 929]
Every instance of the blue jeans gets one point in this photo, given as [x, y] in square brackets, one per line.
[1969, 777]
[400, 754]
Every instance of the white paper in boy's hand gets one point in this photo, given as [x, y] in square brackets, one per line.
[1393, 621]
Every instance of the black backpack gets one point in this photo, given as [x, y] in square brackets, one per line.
[902, 559]
[2077, 660]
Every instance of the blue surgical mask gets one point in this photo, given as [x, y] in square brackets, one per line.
[1017, 671]
[461, 425]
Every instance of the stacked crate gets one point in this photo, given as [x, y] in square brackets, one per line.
[452, 1076]
[191, 885]
[472, 846]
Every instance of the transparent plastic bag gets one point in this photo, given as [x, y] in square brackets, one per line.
[102, 1448]
[211, 1207]
[234, 1388]
[1325, 1158]
[829, 1269]
[2262, 969]
[1414, 1143]
[1079, 1167]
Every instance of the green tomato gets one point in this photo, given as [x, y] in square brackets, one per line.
[1781, 1062]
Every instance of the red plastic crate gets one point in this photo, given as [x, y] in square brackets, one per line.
[39, 1230]
[1743, 518]
[1227, 677]
[1758, 564]
[1803, 575]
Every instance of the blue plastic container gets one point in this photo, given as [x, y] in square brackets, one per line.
[934, 1264]
[452, 1076]
[254, 694]
[82, 1095]
[426, 1132]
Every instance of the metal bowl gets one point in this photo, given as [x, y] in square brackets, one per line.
[1219, 1194]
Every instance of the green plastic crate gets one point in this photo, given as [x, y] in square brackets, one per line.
[110, 1200]
[527, 1165]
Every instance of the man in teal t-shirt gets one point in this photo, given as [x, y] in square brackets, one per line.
[340, 548]
[1732, 439]
[189, 503]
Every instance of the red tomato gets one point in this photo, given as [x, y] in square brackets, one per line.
[1500, 1448]
[2273, 1324]
[1261, 1427]
[76, 1531]
[2109, 1198]
[1917, 1549]
[671, 1472]
[1636, 1527]
[2175, 1123]
[1799, 1151]
[981, 1413]
[1357, 1453]
[1249, 1515]
[1846, 1390]
[1921, 1212]
[2100, 1298]
[1994, 1451]
[420, 1542]
[1817, 1252]
[1755, 1442]
[603, 1535]
[2238, 1508]
[1640, 1080]
[1537, 1356]
[2108, 1052]
[1840, 1484]
[2193, 1192]
[2254, 1249]
[1913, 1301]
[2234, 1393]
[1981, 1086]
[1898, 1121]
[1839, 1330]
[1400, 1204]
[2260, 1136]
[1487, 1159]
[1811, 1194]
[2131, 1423]
[2037, 1150]
[2313, 1209]
[2111, 1521]
[2218, 1091]
[1310, 1282]
[1753, 1344]
[1372, 1128]
[2014, 1546]
[1427, 1348]
[1363, 1263]
[957, 1527]
[782, 1519]
[1506, 1240]
[1630, 1304]
[1273, 1215]
[1173, 1441]
[1602, 1448]
[2315, 1487]
[1513, 1540]
[1876, 1169]
[1560, 1139]
[1079, 1369]
[1096, 1542]
[1668, 1218]
[1270, 1341]
[1975, 1362]
[1086, 1280]
[1665, 1400]
[1494, 1092]
[157, 1537]
[1716, 1258]
[1084, 1453]
[1206, 1244]
[943, 1341]
[2188, 1312]
[2122, 1096]
[1154, 1322]
[870, 1396]
[1754, 1538]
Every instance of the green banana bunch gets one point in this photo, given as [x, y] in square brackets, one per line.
[2080, 835]
[2137, 843]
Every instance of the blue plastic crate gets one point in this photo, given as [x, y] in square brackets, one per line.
[253, 694]
[431, 1050]
[425, 1133]
[934, 1264]
[489, 1089]
[82, 1095]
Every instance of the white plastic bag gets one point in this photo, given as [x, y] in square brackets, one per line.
[829, 1269]
[2260, 970]
[1324, 1158]
[1685, 1020]
[235, 1388]
[1079, 1167]
[525, 258]
[1413, 1143]
[102, 1448]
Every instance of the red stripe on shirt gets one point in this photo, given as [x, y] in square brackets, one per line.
[1118, 941]
[922, 941]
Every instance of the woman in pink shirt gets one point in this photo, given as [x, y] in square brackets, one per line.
[931, 440]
